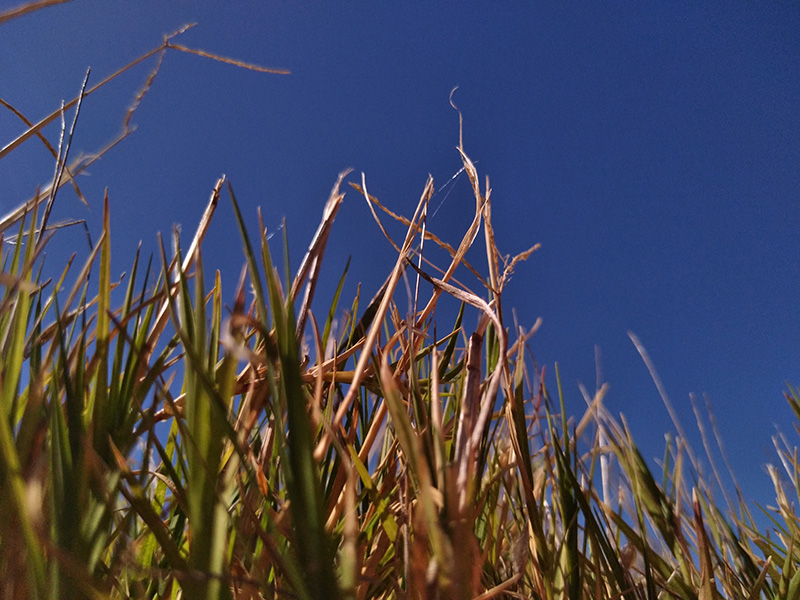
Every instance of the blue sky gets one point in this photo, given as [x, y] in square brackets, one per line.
[653, 149]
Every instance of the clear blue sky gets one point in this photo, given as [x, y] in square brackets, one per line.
[653, 149]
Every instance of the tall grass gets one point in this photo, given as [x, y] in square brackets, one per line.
[163, 447]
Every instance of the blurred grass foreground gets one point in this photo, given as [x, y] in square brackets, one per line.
[156, 445]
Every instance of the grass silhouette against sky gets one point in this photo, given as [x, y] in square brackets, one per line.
[652, 150]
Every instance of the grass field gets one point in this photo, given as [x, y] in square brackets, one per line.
[154, 444]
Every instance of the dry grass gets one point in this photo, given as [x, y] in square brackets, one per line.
[163, 449]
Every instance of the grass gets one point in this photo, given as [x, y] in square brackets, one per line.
[163, 447]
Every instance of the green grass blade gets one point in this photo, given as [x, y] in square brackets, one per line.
[252, 265]
[17, 520]
[314, 547]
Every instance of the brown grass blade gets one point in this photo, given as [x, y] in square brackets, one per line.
[428, 235]
[312, 261]
[70, 177]
[229, 61]
[26, 9]
[374, 330]
[205, 222]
